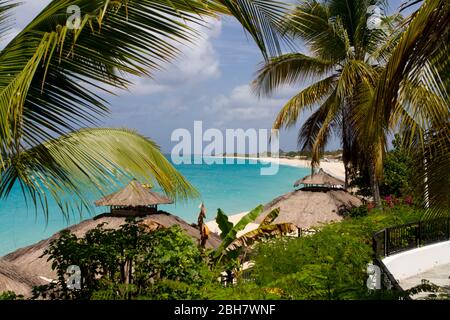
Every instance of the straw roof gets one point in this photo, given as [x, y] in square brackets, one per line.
[133, 195]
[30, 266]
[308, 208]
[320, 178]
[16, 280]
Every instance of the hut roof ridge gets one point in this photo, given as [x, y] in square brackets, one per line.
[133, 195]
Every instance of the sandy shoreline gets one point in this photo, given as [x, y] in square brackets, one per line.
[334, 168]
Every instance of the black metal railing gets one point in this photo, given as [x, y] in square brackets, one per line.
[406, 237]
[409, 236]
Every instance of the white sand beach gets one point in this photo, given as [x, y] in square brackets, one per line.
[335, 168]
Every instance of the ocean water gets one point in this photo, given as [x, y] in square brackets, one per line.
[232, 187]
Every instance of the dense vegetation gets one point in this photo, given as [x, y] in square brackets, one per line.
[134, 262]
[366, 83]
[330, 264]
[399, 170]
[127, 263]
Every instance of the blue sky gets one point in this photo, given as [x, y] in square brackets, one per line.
[209, 82]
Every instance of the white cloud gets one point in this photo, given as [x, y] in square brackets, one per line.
[198, 62]
[147, 87]
[243, 105]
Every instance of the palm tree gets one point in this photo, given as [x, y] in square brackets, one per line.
[343, 55]
[412, 94]
[50, 76]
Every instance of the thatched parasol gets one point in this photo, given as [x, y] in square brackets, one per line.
[134, 198]
[320, 178]
[308, 208]
[321, 200]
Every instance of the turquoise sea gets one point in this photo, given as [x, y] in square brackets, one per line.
[232, 187]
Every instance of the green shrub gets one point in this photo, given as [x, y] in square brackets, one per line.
[242, 291]
[10, 295]
[399, 170]
[125, 263]
[357, 212]
[330, 264]
[326, 265]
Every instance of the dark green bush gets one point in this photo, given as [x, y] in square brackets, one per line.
[357, 212]
[10, 295]
[330, 264]
[399, 170]
[126, 263]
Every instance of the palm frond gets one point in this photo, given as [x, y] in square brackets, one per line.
[289, 69]
[6, 20]
[421, 38]
[48, 70]
[311, 22]
[51, 75]
[315, 132]
[413, 89]
[73, 166]
[262, 19]
[307, 98]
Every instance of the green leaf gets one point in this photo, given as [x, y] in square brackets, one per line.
[90, 160]
[231, 235]
[224, 225]
[264, 231]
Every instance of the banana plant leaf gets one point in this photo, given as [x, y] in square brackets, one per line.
[265, 231]
[231, 235]
[271, 217]
[224, 225]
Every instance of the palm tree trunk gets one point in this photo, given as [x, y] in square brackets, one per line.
[347, 170]
[374, 185]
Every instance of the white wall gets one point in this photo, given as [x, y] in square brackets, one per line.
[409, 263]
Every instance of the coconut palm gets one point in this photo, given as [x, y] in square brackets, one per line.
[53, 78]
[412, 94]
[343, 54]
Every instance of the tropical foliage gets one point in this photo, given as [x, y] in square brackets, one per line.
[138, 261]
[398, 178]
[127, 263]
[413, 94]
[9, 295]
[330, 264]
[231, 242]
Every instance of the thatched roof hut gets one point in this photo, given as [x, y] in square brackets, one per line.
[134, 199]
[308, 208]
[321, 200]
[32, 268]
[320, 179]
